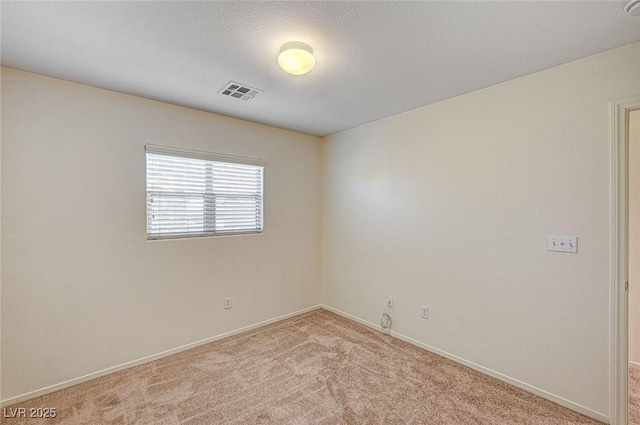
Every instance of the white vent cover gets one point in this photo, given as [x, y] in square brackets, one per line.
[239, 91]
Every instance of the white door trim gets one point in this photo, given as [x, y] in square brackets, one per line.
[619, 356]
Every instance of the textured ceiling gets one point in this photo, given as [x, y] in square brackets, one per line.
[374, 59]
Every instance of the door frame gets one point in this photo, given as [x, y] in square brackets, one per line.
[619, 344]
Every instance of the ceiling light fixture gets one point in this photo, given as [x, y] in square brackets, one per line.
[296, 58]
[633, 8]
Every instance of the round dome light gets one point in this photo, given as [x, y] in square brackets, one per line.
[633, 8]
[296, 58]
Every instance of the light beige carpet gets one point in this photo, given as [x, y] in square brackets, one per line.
[634, 394]
[316, 368]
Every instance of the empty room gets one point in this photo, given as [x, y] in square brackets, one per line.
[319, 212]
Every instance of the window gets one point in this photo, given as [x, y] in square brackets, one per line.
[192, 193]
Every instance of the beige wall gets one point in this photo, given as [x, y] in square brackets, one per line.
[450, 206]
[634, 236]
[82, 289]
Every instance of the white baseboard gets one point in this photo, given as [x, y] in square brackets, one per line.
[636, 364]
[146, 359]
[542, 393]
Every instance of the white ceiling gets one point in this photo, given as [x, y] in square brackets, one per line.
[374, 59]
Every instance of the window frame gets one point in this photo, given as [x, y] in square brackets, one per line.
[211, 157]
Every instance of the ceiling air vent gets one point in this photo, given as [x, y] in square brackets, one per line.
[239, 91]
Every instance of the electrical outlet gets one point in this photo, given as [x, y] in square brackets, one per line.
[227, 303]
[389, 301]
[424, 312]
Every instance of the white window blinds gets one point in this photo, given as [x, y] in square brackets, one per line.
[192, 193]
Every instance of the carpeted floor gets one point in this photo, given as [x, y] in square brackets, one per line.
[634, 394]
[316, 368]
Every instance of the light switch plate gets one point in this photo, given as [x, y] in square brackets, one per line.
[562, 243]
